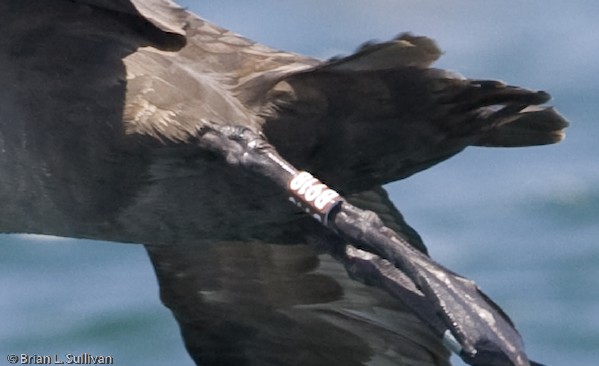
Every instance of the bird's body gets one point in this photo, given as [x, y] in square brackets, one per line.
[100, 116]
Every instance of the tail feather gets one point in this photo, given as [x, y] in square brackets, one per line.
[504, 115]
[467, 94]
[531, 126]
[384, 114]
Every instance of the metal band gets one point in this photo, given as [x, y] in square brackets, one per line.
[313, 196]
[452, 343]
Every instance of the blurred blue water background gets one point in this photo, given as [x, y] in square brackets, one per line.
[523, 223]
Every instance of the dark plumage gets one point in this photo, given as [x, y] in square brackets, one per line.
[100, 113]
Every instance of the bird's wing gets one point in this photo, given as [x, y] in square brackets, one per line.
[240, 303]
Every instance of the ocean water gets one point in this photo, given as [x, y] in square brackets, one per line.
[523, 223]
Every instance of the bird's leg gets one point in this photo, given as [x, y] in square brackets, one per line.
[241, 146]
[454, 307]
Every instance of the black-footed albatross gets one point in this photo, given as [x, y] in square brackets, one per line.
[103, 107]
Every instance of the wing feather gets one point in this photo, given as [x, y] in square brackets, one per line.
[256, 303]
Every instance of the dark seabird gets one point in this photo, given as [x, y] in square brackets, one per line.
[101, 107]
